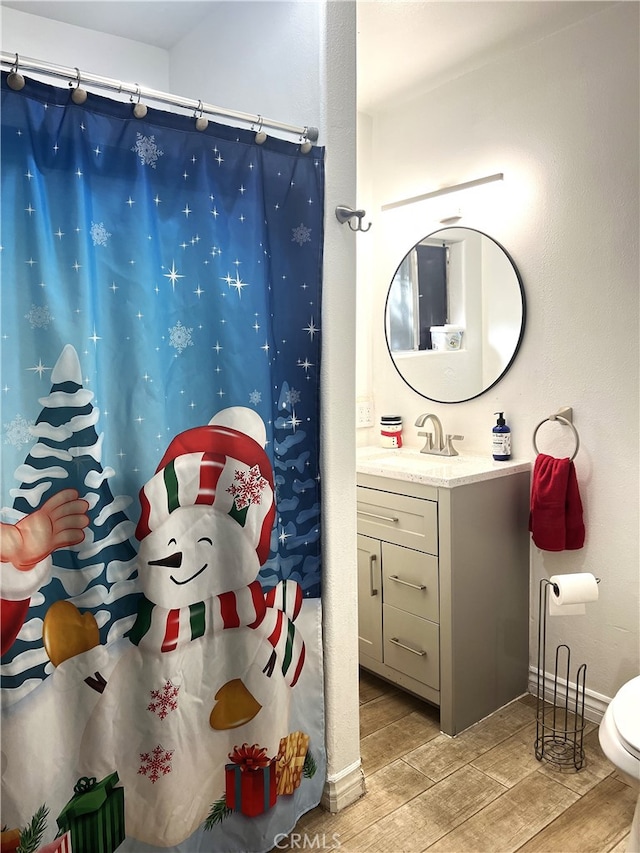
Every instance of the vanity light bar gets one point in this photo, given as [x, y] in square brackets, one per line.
[499, 176]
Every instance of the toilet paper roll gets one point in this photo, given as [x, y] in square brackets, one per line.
[573, 592]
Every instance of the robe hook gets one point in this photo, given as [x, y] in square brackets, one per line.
[346, 214]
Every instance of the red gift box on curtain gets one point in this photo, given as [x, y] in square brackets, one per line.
[250, 780]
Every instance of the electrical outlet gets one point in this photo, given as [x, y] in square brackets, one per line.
[364, 414]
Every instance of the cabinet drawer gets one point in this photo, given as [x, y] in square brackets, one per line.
[411, 522]
[411, 645]
[410, 581]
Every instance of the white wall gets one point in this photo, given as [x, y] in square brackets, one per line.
[340, 596]
[294, 62]
[257, 57]
[77, 47]
[560, 119]
[364, 258]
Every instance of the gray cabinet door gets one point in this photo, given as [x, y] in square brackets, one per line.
[369, 598]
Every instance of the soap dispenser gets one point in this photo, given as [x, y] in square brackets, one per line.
[501, 443]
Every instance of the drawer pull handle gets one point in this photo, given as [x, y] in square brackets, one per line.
[372, 561]
[419, 652]
[419, 586]
[391, 518]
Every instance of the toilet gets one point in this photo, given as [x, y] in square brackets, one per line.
[620, 741]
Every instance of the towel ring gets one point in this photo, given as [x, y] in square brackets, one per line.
[564, 421]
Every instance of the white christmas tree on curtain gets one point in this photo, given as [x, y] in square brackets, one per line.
[98, 575]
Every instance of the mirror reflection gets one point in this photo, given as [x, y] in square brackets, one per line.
[455, 315]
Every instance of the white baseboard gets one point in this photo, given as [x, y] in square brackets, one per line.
[595, 704]
[339, 792]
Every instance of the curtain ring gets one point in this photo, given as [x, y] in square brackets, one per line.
[261, 136]
[15, 80]
[305, 145]
[78, 96]
[139, 110]
[201, 122]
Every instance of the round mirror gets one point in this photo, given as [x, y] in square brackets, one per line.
[455, 315]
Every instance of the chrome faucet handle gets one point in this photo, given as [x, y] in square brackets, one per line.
[428, 441]
[449, 448]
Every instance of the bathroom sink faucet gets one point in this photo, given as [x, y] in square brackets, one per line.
[434, 443]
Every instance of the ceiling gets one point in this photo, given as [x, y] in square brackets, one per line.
[404, 47]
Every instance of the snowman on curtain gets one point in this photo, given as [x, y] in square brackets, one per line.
[212, 657]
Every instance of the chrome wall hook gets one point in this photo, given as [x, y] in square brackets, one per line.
[346, 214]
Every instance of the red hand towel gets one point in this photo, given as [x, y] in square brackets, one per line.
[555, 519]
[574, 522]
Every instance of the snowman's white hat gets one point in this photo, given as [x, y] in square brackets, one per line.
[213, 465]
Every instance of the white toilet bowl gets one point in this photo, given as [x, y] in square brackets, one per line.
[620, 741]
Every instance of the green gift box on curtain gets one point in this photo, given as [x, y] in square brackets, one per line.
[94, 815]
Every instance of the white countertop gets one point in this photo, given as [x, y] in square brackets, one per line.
[444, 472]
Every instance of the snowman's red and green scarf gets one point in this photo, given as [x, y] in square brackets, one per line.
[272, 614]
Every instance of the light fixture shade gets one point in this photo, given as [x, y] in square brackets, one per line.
[465, 185]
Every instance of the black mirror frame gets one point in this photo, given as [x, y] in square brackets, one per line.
[522, 323]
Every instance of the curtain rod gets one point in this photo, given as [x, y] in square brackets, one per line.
[74, 75]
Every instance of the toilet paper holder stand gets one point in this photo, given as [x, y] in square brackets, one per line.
[559, 715]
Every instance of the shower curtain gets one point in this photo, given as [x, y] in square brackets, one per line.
[161, 673]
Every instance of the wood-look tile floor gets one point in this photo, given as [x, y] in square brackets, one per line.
[481, 792]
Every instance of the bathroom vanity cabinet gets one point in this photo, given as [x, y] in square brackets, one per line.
[443, 589]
